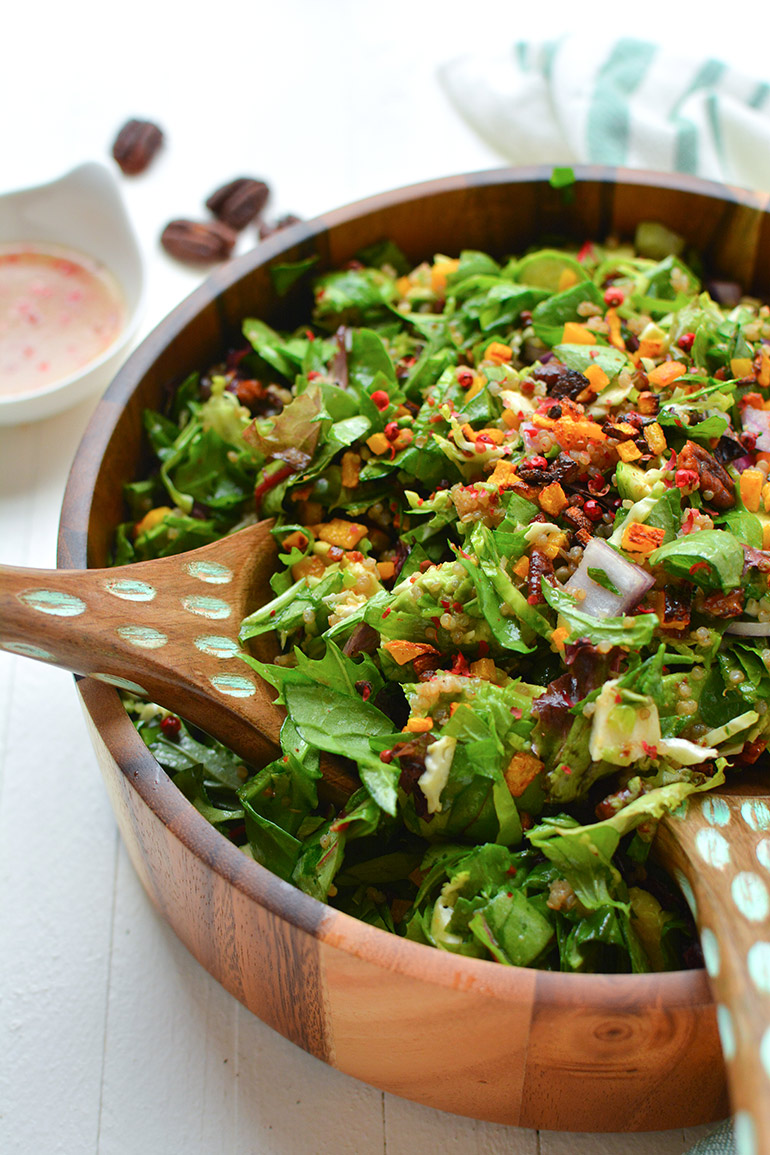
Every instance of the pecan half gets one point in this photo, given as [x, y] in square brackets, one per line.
[136, 145]
[559, 380]
[267, 230]
[239, 202]
[540, 565]
[715, 484]
[196, 242]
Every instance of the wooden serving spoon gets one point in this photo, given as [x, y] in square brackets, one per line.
[167, 630]
[717, 846]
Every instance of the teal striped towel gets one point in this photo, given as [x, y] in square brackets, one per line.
[622, 102]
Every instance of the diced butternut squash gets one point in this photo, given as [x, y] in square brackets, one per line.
[378, 443]
[763, 376]
[345, 534]
[351, 468]
[647, 404]
[666, 374]
[419, 726]
[521, 770]
[655, 438]
[742, 367]
[151, 519]
[440, 270]
[752, 481]
[296, 539]
[640, 538]
[552, 499]
[577, 334]
[498, 352]
[483, 668]
[386, 570]
[559, 637]
[521, 569]
[628, 451]
[597, 378]
[402, 651]
[310, 566]
[615, 333]
[504, 475]
[651, 347]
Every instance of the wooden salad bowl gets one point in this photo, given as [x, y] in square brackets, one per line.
[510, 1045]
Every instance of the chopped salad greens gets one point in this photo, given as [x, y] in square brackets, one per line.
[523, 512]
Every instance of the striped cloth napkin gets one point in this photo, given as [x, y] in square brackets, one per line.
[622, 102]
[625, 102]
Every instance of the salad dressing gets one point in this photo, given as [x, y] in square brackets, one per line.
[59, 310]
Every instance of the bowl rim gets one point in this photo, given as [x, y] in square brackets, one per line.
[256, 883]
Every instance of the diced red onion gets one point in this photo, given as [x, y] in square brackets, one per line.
[749, 629]
[744, 462]
[757, 421]
[630, 580]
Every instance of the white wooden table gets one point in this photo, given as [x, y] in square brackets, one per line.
[112, 1038]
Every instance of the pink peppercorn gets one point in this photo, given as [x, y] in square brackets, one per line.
[686, 342]
[380, 399]
[593, 510]
[170, 725]
[614, 296]
[391, 430]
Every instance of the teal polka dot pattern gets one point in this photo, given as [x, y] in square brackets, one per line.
[745, 1134]
[750, 896]
[710, 946]
[234, 684]
[763, 853]
[130, 591]
[213, 608]
[756, 814]
[758, 960]
[713, 848]
[211, 572]
[726, 1032]
[716, 811]
[143, 637]
[217, 646]
[27, 650]
[764, 1052]
[54, 602]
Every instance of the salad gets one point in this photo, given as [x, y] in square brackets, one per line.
[523, 516]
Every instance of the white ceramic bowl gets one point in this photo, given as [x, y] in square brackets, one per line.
[84, 211]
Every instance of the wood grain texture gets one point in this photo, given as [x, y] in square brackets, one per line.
[553, 1051]
[718, 847]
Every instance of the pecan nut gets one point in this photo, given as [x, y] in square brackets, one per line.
[239, 202]
[714, 482]
[136, 145]
[198, 243]
[267, 230]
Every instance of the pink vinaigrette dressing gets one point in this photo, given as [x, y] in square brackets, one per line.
[59, 310]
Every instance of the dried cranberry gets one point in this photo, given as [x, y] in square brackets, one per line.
[686, 342]
[614, 296]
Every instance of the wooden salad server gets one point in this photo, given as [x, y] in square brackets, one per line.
[167, 630]
[717, 847]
